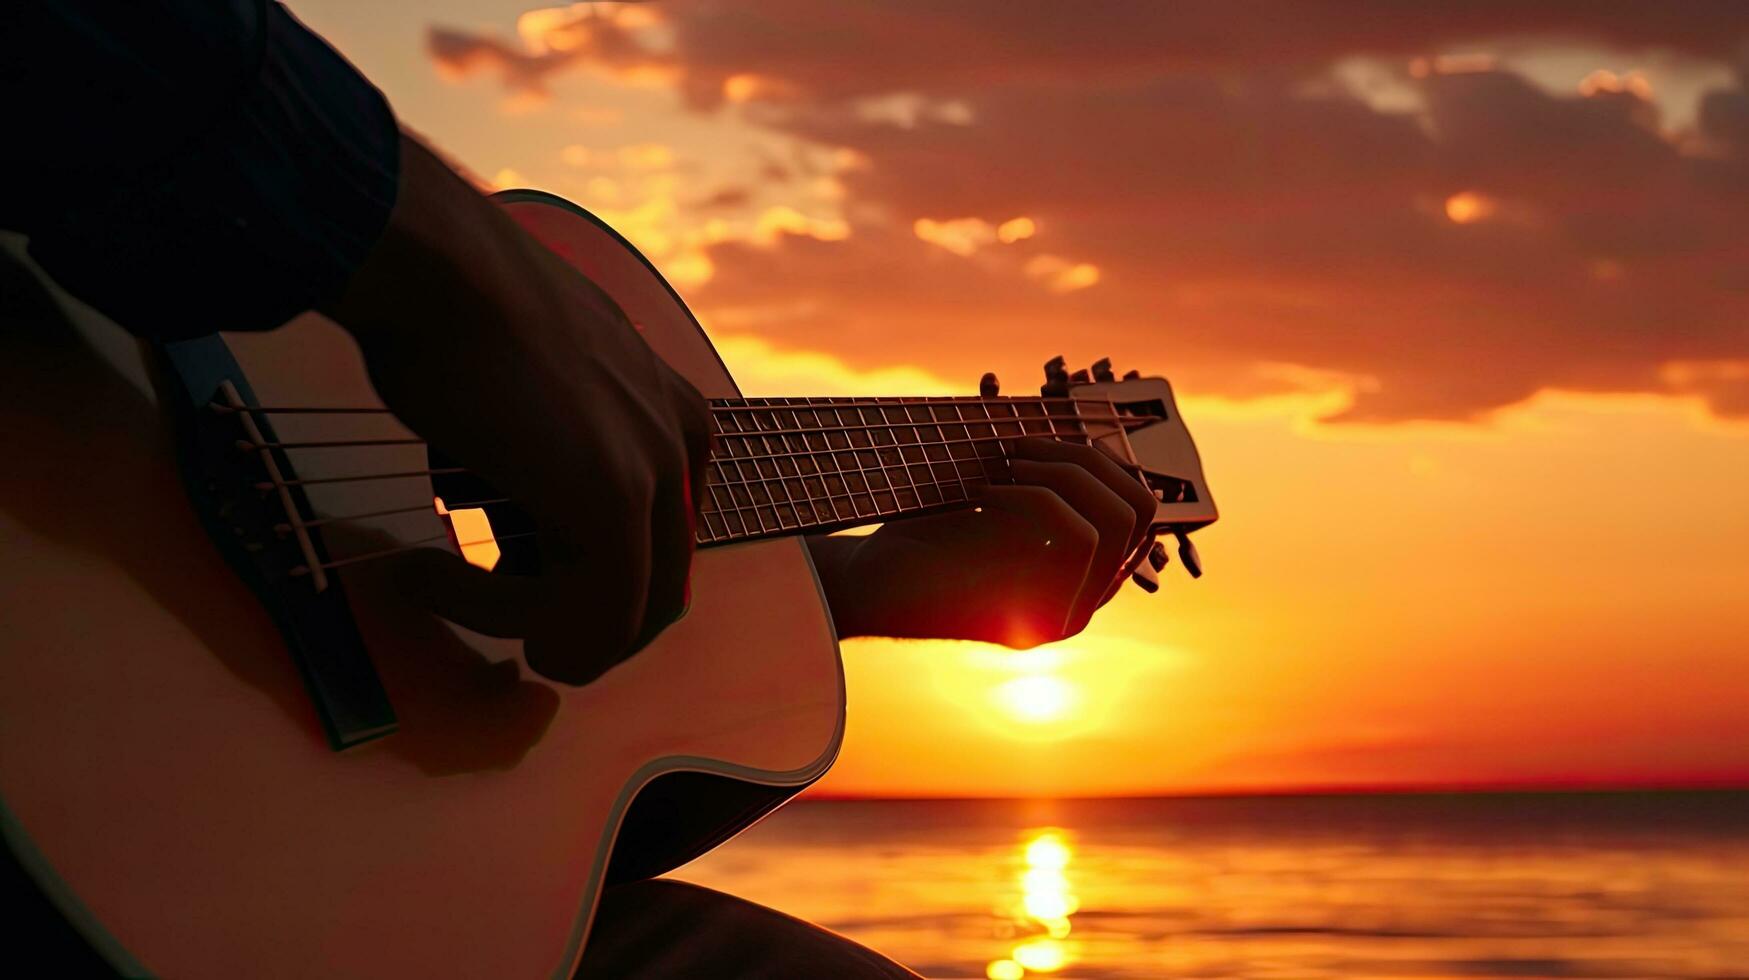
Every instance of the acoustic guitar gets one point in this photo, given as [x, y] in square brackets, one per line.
[227, 750]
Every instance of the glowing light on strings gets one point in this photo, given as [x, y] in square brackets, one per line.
[473, 531]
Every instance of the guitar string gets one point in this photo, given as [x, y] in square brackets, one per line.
[715, 508]
[452, 470]
[719, 512]
[723, 404]
[297, 571]
[756, 528]
[785, 480]
[739, 479]
[912, 487]
[852, 494]
[295, 523]
[749, 534]
[301, 570]
[1120, 420]
[768, 502]
[797, 481]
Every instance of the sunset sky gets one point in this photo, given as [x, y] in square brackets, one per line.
[1455, 296]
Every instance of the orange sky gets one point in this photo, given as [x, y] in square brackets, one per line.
[1455, 302]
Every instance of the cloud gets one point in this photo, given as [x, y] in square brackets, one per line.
[1205, 188]
[630, 40]
[458, 54]
[944, 50]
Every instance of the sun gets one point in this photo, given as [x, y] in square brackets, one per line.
[1036, 698]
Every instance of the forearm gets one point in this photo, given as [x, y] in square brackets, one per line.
[447, 261]
[450, 261]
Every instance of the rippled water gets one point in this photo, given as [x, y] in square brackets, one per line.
[1573, 885]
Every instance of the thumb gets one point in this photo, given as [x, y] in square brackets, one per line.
[493, 603]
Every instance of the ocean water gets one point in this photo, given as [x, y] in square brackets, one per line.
[1560, 885]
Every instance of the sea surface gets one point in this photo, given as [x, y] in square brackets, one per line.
[1558, 885]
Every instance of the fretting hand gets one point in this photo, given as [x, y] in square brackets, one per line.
[1028, 565]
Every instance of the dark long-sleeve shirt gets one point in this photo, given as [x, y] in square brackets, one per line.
[184, 166]
[187, 166]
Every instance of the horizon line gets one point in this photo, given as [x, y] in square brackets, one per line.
[1726, 785]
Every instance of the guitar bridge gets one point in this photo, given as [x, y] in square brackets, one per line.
[245, 491]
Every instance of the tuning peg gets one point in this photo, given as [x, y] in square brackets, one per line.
[988, 385]
[1056, 379]
[1188, 556]
[1131, 375]
[1146, 578]
[1080, 378]
[1157, 555]
[1102, 370]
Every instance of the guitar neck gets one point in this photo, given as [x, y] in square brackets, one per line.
[792, 465]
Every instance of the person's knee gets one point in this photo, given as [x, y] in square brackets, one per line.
[666, 928]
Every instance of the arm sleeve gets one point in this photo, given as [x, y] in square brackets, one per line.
[186, 166]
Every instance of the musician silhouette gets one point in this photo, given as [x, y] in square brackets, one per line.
[190, 165]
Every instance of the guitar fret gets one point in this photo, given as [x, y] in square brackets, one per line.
[768, 471]
[964, 433]
[787, 478]
[1076, 416]
[745, 425]
[786, 464]
[842, 487]
[868, 477]
[837, 451]
[861, 484]
[922, 457]
[776, 472]
[770, 468]
[732, 508]
[814, 470]
[898, 454]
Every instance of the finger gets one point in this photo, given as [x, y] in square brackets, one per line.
[1052, 545]
[1117, 581]
[593, 598]
[697, 426]
[1132, 490]
[573, 658]
[672, 537]
[1112, 519]
[469, 596]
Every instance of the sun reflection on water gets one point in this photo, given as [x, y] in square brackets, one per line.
[1040, 915]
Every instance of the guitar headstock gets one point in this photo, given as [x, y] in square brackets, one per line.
[1136, 420]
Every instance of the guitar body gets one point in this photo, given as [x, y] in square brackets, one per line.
[166, 778]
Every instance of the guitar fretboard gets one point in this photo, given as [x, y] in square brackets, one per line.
[783, 465]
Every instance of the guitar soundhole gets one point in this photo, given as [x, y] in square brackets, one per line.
[489, 530]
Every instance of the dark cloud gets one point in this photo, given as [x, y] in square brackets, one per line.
[588, 39]
[1244, 209]
[728, 197]
[465, 52]
[855, 47]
